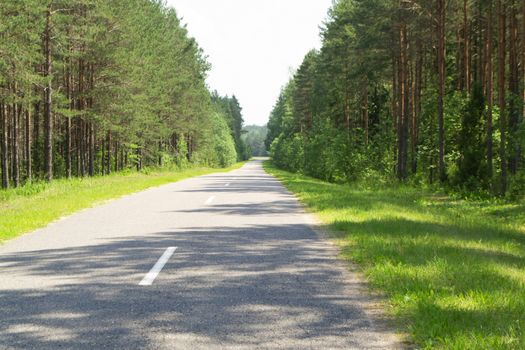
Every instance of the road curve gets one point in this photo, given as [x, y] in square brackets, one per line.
[245, 271]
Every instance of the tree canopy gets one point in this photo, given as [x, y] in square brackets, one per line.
[93, 86]
[421, 91]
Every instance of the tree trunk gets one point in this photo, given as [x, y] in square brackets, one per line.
[514, 109]
[69, 82]
[413, 119]
[466, 47]
[402, 122]
[16, 142]
[418, 85]
[441, 86]
[4, 146]
[117, 167]
[523, 60]
[91, 131]
[48, 117]
[347, 103]
[490, 98]
[501, 95]
[365, 110]
[29, 144]
[108, 163]
[91, 149]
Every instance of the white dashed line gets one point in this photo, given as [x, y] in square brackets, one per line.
[154, 272]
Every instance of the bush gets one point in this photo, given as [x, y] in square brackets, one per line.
[224, 153]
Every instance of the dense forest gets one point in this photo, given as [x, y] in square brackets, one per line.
[89, 87]
[255, 137]
[419, 91]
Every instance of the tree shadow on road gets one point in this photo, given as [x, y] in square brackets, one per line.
[256, 287]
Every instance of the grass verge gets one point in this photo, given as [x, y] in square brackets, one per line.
[453, 271]
[34, 206]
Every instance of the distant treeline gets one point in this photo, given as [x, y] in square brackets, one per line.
[426, 91]
[255, 137]
[94, 86]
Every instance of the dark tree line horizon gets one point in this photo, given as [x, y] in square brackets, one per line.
[419, 90]
[90, 87]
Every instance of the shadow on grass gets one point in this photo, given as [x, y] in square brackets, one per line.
[453, 270]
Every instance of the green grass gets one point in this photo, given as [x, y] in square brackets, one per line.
[452, 271]
[33, 206]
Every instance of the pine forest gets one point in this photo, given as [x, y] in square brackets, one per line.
[90, 87]
[427, 92]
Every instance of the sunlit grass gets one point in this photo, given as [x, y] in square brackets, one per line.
[453, 271]
[36, 205]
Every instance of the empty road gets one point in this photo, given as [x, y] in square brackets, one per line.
[223, 261]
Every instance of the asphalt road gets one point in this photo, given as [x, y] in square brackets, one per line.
[243, 270]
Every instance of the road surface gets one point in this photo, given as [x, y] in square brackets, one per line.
[224, 261]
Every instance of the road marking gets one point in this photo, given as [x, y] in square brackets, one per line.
[211, 199]
[154, 272]
[227, 185]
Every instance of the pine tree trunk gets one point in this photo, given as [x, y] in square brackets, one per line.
[523, 60]
[413, 119]
[116, 157]
[501, 95]
[69, 83]
[108, 164]
[402, 122]
[417, 103]
[346, 106]
[466, 47]
[92, 135]
[441, 86]
[81, 149]
[16, 142]
[4, 149]
[37, 104]
[365, 110]
[91, 151]
[48, 117]
[490, 98]
[514, 89]
[29, 144]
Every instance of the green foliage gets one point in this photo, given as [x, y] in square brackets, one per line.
[288, 153]
[124, 69]
[224, 152]
[230, 108]
[472, 172]
[255, 136]
[346, 102]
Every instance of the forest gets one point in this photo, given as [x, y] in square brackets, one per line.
[255, 137]
[425, 92]
[91, 87]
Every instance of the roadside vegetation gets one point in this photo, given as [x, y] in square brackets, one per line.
[452, 270]
[35, 205]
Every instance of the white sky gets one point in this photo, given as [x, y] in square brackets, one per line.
[253, 45]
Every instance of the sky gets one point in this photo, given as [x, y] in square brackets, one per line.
[254, 46]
